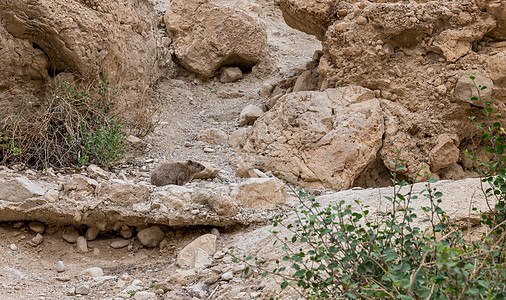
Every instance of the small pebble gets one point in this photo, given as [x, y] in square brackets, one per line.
[209, 150]
[228, 275]
[36, 227]
[83, 289]
[93, 272]
[38, 239]
[13, 247]
[60, 267]
[195, 212]
[119, 243]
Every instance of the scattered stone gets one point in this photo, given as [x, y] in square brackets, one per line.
[83, 289]
[13, 247]
[121, 192]
[209, 172]
[37, 239]
[159, 292]
[202, 259]
[36, 227]
[126, 232]
[238, 138]
[209, 150]
[19, 189]
[223, 205]
[70, 234]
[230, 74]
[466, 89]
[52, 196]
[304, 82]
[265, 90]
[93, 272]
[63, 278]
[119, 243]
[98, 172]
[213, 136]
[60, 267]
[81, 244]
[278, 91]
[444, 154]
[245, 172]
[143, 295]
[227, 276]
[91, 233]
[18, 224]
[215, 232]
[186, 257]
[249, 114]
[151, 236]
[260, 193]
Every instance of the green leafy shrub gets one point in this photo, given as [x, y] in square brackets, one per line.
[343, 251]
[75, 126]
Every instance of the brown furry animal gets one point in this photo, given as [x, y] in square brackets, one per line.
[175, 173]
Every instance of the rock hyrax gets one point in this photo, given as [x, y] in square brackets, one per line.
[175, 173]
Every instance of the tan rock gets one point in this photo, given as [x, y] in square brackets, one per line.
[304, 82]
[260, 193]
[213, 136]
[70, 234]
[238, 138]
[78, 187]
[319, 139]
[230, 74]
[223, 205]
[444, 154]
[466, 89]
[249, 114]
[311, 17]
[120, 192]
[206, 243]
[52, 196]
[113, 40]
[19, 189]
[208, 36]
[209, 172]
[151, 236]
[81, 245]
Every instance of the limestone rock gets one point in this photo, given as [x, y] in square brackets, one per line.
[98, 172]
[119, 243]
[81, 245]
[249, 114]
[96, 37]
[36, 227]
[151, 236]
[70, 234]
[238, 138]
[19, 189]
[209, 172]
[78, 187]
[260, 193]
[93, 272]
[36, 240]
[83, 289]
[223, 205]
[186, 257]
[91, 233]
[175, 197]
[213, 136]
[319, 139]
[208, 36]
[444, 154]
[122, 192]
[52, 196]
[60, 267]
[230, 74]
[304, 82]
[466, 89]
[311, 17]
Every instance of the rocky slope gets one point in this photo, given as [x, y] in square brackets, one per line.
[251, 98]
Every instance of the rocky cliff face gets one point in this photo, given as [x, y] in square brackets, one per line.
[76, 40]
[414, 56]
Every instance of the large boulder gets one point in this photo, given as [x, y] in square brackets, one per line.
[207, 36]
[324, 139]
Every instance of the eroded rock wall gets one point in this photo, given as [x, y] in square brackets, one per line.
[414, 56]
[85, 39]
